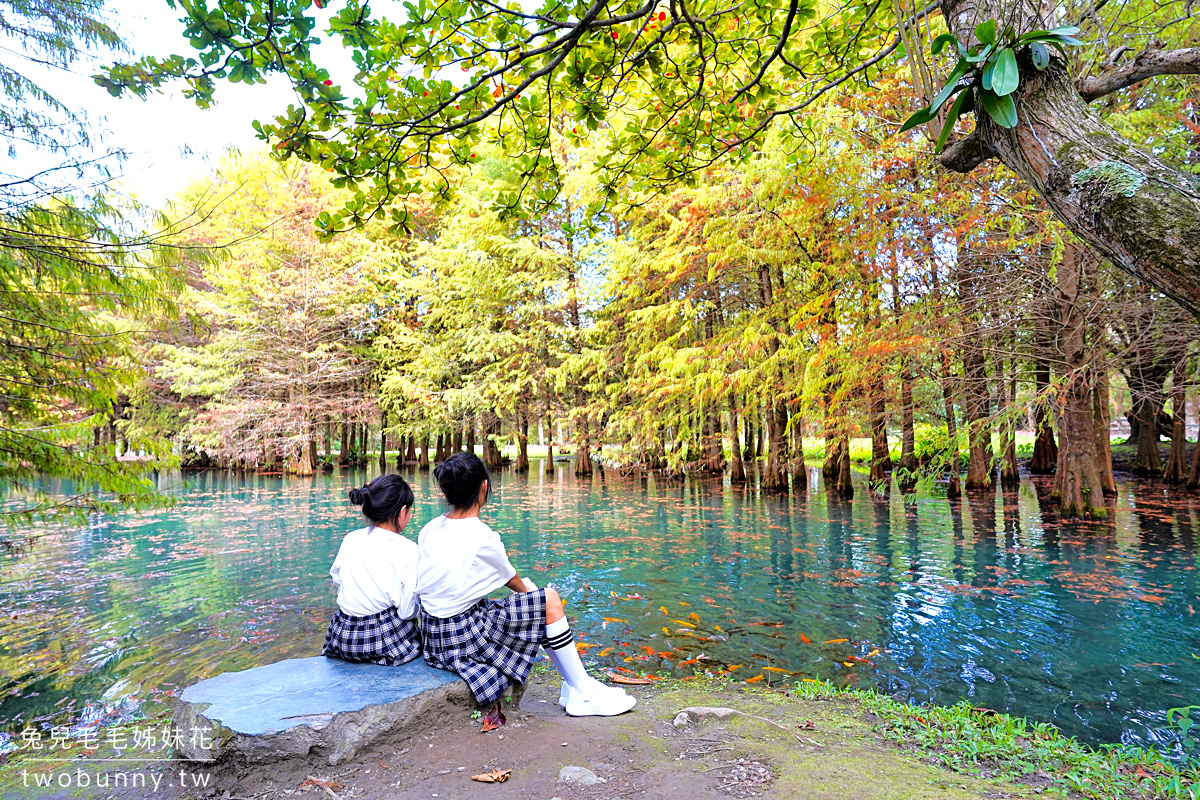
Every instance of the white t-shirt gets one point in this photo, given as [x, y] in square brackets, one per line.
[461, 561]
[376, 570]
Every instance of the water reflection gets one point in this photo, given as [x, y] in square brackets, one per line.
[1090, 626]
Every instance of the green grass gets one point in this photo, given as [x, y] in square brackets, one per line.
[978, 741]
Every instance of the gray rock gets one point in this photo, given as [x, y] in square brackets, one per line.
[319, 709]
[579, 775]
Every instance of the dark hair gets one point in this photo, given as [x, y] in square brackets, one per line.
[384, 498]
[460, 477]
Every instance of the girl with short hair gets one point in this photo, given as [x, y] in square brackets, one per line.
[493, 643]
[375, 573]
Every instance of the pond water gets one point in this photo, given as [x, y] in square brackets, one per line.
[1091, 627]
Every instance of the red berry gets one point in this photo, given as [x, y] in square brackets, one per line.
[614, 35]
[662, 16]
[327, 83]
[472, 155]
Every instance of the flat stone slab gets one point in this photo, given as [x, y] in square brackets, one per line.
[321, 709]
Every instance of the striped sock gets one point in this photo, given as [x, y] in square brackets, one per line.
[560, 646]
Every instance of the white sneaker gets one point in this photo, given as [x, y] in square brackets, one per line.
[605, 701]
[564, 694]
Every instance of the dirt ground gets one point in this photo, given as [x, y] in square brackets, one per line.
[638, 755]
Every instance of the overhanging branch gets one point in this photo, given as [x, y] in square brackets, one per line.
[1148, 64]
[966, 154]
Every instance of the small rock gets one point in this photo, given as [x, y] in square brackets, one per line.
[580, 775]
[719, 712]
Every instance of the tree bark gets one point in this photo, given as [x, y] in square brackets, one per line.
[549, 443]
[344, 453]
[470, 439]
[1130, 207]
[411, 455]
[423, 461]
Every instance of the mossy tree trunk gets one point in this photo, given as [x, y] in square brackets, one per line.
[1129, 206]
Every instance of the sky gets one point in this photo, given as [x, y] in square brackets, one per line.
[169, 140]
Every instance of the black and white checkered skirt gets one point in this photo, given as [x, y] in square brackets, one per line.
[382, 638]
[492, 644]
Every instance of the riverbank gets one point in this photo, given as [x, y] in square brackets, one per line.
[811, 741]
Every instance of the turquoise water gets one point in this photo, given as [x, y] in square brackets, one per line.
[1091, 627]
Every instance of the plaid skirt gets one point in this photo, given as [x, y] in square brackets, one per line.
[492, 644]
[382, 638]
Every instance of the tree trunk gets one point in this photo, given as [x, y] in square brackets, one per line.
[1100, 423]
[344, 453]
[975, 409]
[737, 467]
[423, 460]
[549, 443]
[583, 450]
[1009, 476]
[1147, 461]
[328, 437]
[881, 459]
[470, 442]
[799, 467]
[457, 443]
[748, 451]
[839, 482]
[1132, 208]
[522, 464]
[491, 450]
[955, 465]
[908, 433]
[1077, 484]
[1175, 471]
[775, 475]
[383, 420]
[1045, 450]
[411, 455]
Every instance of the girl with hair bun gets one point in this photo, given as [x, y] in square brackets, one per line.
[375, 573]
[493, 643]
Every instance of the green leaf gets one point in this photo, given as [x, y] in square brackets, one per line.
[1040, 55]
[1001, 109]
[951, 86]
[941, 42]
[1005, 76]
[1064, 30]
[985, 32]
[919, 118]
[964, 104]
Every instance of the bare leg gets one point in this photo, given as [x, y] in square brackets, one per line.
[554, 607]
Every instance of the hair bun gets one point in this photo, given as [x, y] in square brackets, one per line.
[358, 496]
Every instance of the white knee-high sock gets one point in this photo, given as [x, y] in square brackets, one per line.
[560, 646]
